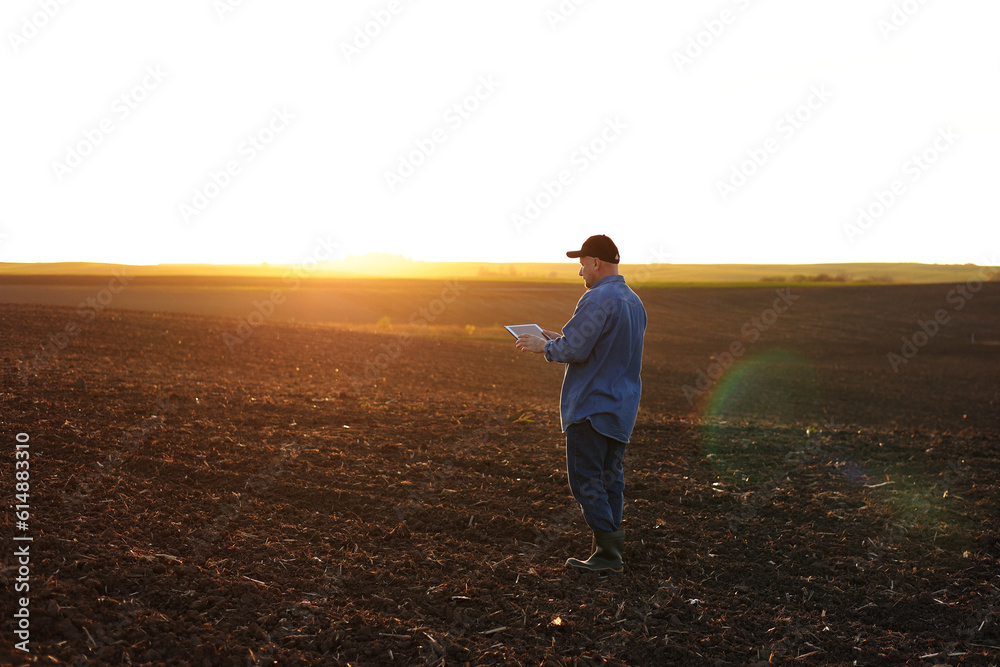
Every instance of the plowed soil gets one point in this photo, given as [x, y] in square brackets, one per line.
[288, 502]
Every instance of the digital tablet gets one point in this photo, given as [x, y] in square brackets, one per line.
[519, 329]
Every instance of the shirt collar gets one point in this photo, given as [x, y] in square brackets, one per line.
[609, 279]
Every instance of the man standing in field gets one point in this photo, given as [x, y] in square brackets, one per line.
[601, 346]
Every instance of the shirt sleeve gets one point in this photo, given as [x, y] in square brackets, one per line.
[579, 335]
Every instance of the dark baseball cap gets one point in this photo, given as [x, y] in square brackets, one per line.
[599, 246]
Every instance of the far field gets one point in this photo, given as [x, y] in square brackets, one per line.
[823, 328]
[656, 271]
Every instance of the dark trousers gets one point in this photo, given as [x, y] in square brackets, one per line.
[594, 463]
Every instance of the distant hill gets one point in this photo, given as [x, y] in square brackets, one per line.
[394, 266]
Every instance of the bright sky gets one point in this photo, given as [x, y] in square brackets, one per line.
[733, 131]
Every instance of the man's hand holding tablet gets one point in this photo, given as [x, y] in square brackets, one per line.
[530, 337]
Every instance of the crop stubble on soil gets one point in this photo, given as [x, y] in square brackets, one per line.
[196, 506]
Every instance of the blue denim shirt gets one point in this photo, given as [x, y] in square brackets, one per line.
[601, 346]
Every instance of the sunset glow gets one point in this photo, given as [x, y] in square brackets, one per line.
[856, 135]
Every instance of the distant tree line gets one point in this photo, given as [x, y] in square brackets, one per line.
[510, 271]
[826, 278]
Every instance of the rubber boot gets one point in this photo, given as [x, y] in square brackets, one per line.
[607, 556]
